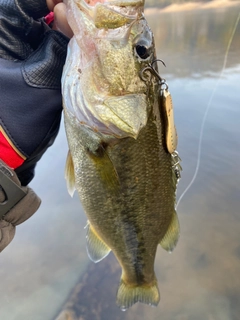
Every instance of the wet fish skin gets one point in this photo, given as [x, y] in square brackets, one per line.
[123, 175]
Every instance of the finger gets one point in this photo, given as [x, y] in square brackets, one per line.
[52, 3]
[60, 20]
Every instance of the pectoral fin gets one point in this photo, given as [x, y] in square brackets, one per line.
[69, 174]
[170, 238]
[96, 248]
[96, 148]
[105, 169]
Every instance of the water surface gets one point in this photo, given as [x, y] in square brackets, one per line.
[46, 267]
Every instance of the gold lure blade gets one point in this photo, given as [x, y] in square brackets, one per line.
[171, 132]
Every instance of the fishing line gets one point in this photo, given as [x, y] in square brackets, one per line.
[206, 112]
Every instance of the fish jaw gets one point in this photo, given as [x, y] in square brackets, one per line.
[109, 14]
[85, 18]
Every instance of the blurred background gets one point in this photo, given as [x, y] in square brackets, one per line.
[46, 272]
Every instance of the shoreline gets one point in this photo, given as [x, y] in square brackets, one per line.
[188, 6]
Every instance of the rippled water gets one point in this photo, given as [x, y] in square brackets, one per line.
[200, 279]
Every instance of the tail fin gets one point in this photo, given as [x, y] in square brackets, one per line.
[128, 295]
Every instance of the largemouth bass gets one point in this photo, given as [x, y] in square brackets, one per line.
[122, 141]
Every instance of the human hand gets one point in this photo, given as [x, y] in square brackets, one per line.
[22, 206]
[32, 56]
[60, 20]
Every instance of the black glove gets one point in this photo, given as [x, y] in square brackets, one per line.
[32, 56]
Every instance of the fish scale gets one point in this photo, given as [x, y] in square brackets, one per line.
[137, 203]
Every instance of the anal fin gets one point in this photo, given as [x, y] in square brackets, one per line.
[96, 248]
[170, 238]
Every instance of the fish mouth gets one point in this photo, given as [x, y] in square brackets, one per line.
[111, 14]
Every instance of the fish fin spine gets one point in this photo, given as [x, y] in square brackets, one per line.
[170, 239]
[69, 174]
[128, 295]
[97, 249]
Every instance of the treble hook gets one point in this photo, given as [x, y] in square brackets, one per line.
[158, 60]
[151, 70]
[154, 72]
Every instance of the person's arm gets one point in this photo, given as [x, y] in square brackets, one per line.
[32, 56]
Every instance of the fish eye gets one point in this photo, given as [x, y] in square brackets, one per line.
[142, 50]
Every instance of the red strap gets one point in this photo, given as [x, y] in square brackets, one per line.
[8, 153]
[49, 18]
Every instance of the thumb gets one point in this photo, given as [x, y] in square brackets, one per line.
[52, 3]
[60, 20]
